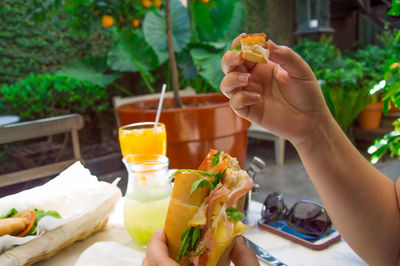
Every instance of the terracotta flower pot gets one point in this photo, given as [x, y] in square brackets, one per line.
[206, 122]
[370, 117]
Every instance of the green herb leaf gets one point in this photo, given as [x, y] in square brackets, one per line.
[39, 215]
[201, 182]
[218, 177]
[190, 170]
[185, 237]
[189, 241]
[10, 213]
[234, 214]
[237, 48]
[215, 159]
[195, 237]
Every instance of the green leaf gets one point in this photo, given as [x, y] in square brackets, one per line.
[90, 69]
[189, 241]
[215, 159]
[218, 177]
[208, 63]
[204, 22]
[234, 214]
[10, 213]
[201, 182]
[235, 25]
[134, 49]
[154, 28]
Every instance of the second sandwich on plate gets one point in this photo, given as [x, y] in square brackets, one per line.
[204, 211]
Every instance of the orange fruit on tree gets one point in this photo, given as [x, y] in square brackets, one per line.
[146, 3]
[107, 21]
[135, 23]
[205, 1]
[394, 65]
[157, 3]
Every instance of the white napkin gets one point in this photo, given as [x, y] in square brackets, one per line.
[73, 193]
[110, 253]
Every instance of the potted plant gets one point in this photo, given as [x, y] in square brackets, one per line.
[391, 94]
[197, 35]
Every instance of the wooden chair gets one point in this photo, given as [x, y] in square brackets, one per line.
[69, 124]
[257, 132]
[35, 153]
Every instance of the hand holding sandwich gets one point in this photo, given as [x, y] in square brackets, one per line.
[157, 252]
[281, 95]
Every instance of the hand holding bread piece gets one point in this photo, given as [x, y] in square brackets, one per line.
[203, 216]
[254, 48]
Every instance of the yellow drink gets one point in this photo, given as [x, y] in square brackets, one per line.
[144, 218]
[140, 138]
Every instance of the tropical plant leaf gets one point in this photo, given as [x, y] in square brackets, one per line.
[208, 63]
[235, 25]
[204, 22]
[154, 28]
[91, 69]
[132, 48]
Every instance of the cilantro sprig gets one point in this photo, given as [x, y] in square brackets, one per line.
[189, 241]
[215, 159]
[204, 182]
[234, 214]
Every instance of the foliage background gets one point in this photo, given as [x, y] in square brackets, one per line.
[27, 47]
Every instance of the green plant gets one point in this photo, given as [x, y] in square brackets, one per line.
[344, 81]
[30, 98]
[201, 33]
[26, 47]
[391, 91]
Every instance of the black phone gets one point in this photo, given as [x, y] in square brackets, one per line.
[281, 228]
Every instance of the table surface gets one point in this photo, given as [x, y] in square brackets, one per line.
[8, 119]
[285, 250]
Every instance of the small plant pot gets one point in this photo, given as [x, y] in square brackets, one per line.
[370, 117]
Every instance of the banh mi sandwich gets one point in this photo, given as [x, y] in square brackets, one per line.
[203, 215]
[23, 223]
[254, 48]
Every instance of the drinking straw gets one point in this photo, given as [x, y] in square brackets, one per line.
[159, 107]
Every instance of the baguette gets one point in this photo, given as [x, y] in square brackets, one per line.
[254, 48]
[200, 216]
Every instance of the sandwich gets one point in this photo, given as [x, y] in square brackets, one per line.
[23, 223]
[254, 48]
[204, 214]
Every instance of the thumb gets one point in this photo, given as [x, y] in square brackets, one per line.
[242, 255]
[289, 61]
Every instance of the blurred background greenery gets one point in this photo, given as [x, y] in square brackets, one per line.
[98, 49]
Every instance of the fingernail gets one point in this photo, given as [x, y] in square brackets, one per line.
[243, 77]
[272, 45]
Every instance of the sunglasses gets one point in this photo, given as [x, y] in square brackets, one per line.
[306, 217]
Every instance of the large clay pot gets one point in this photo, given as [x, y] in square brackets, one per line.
[370, 117]
[207, 121]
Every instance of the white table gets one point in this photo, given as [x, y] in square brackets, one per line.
[8, 119]
[281, 248]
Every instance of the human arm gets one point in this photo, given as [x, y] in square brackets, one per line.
[284, 97]
[157, 252]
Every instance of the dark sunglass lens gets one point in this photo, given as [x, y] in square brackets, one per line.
[273, 208]
[309, 218]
